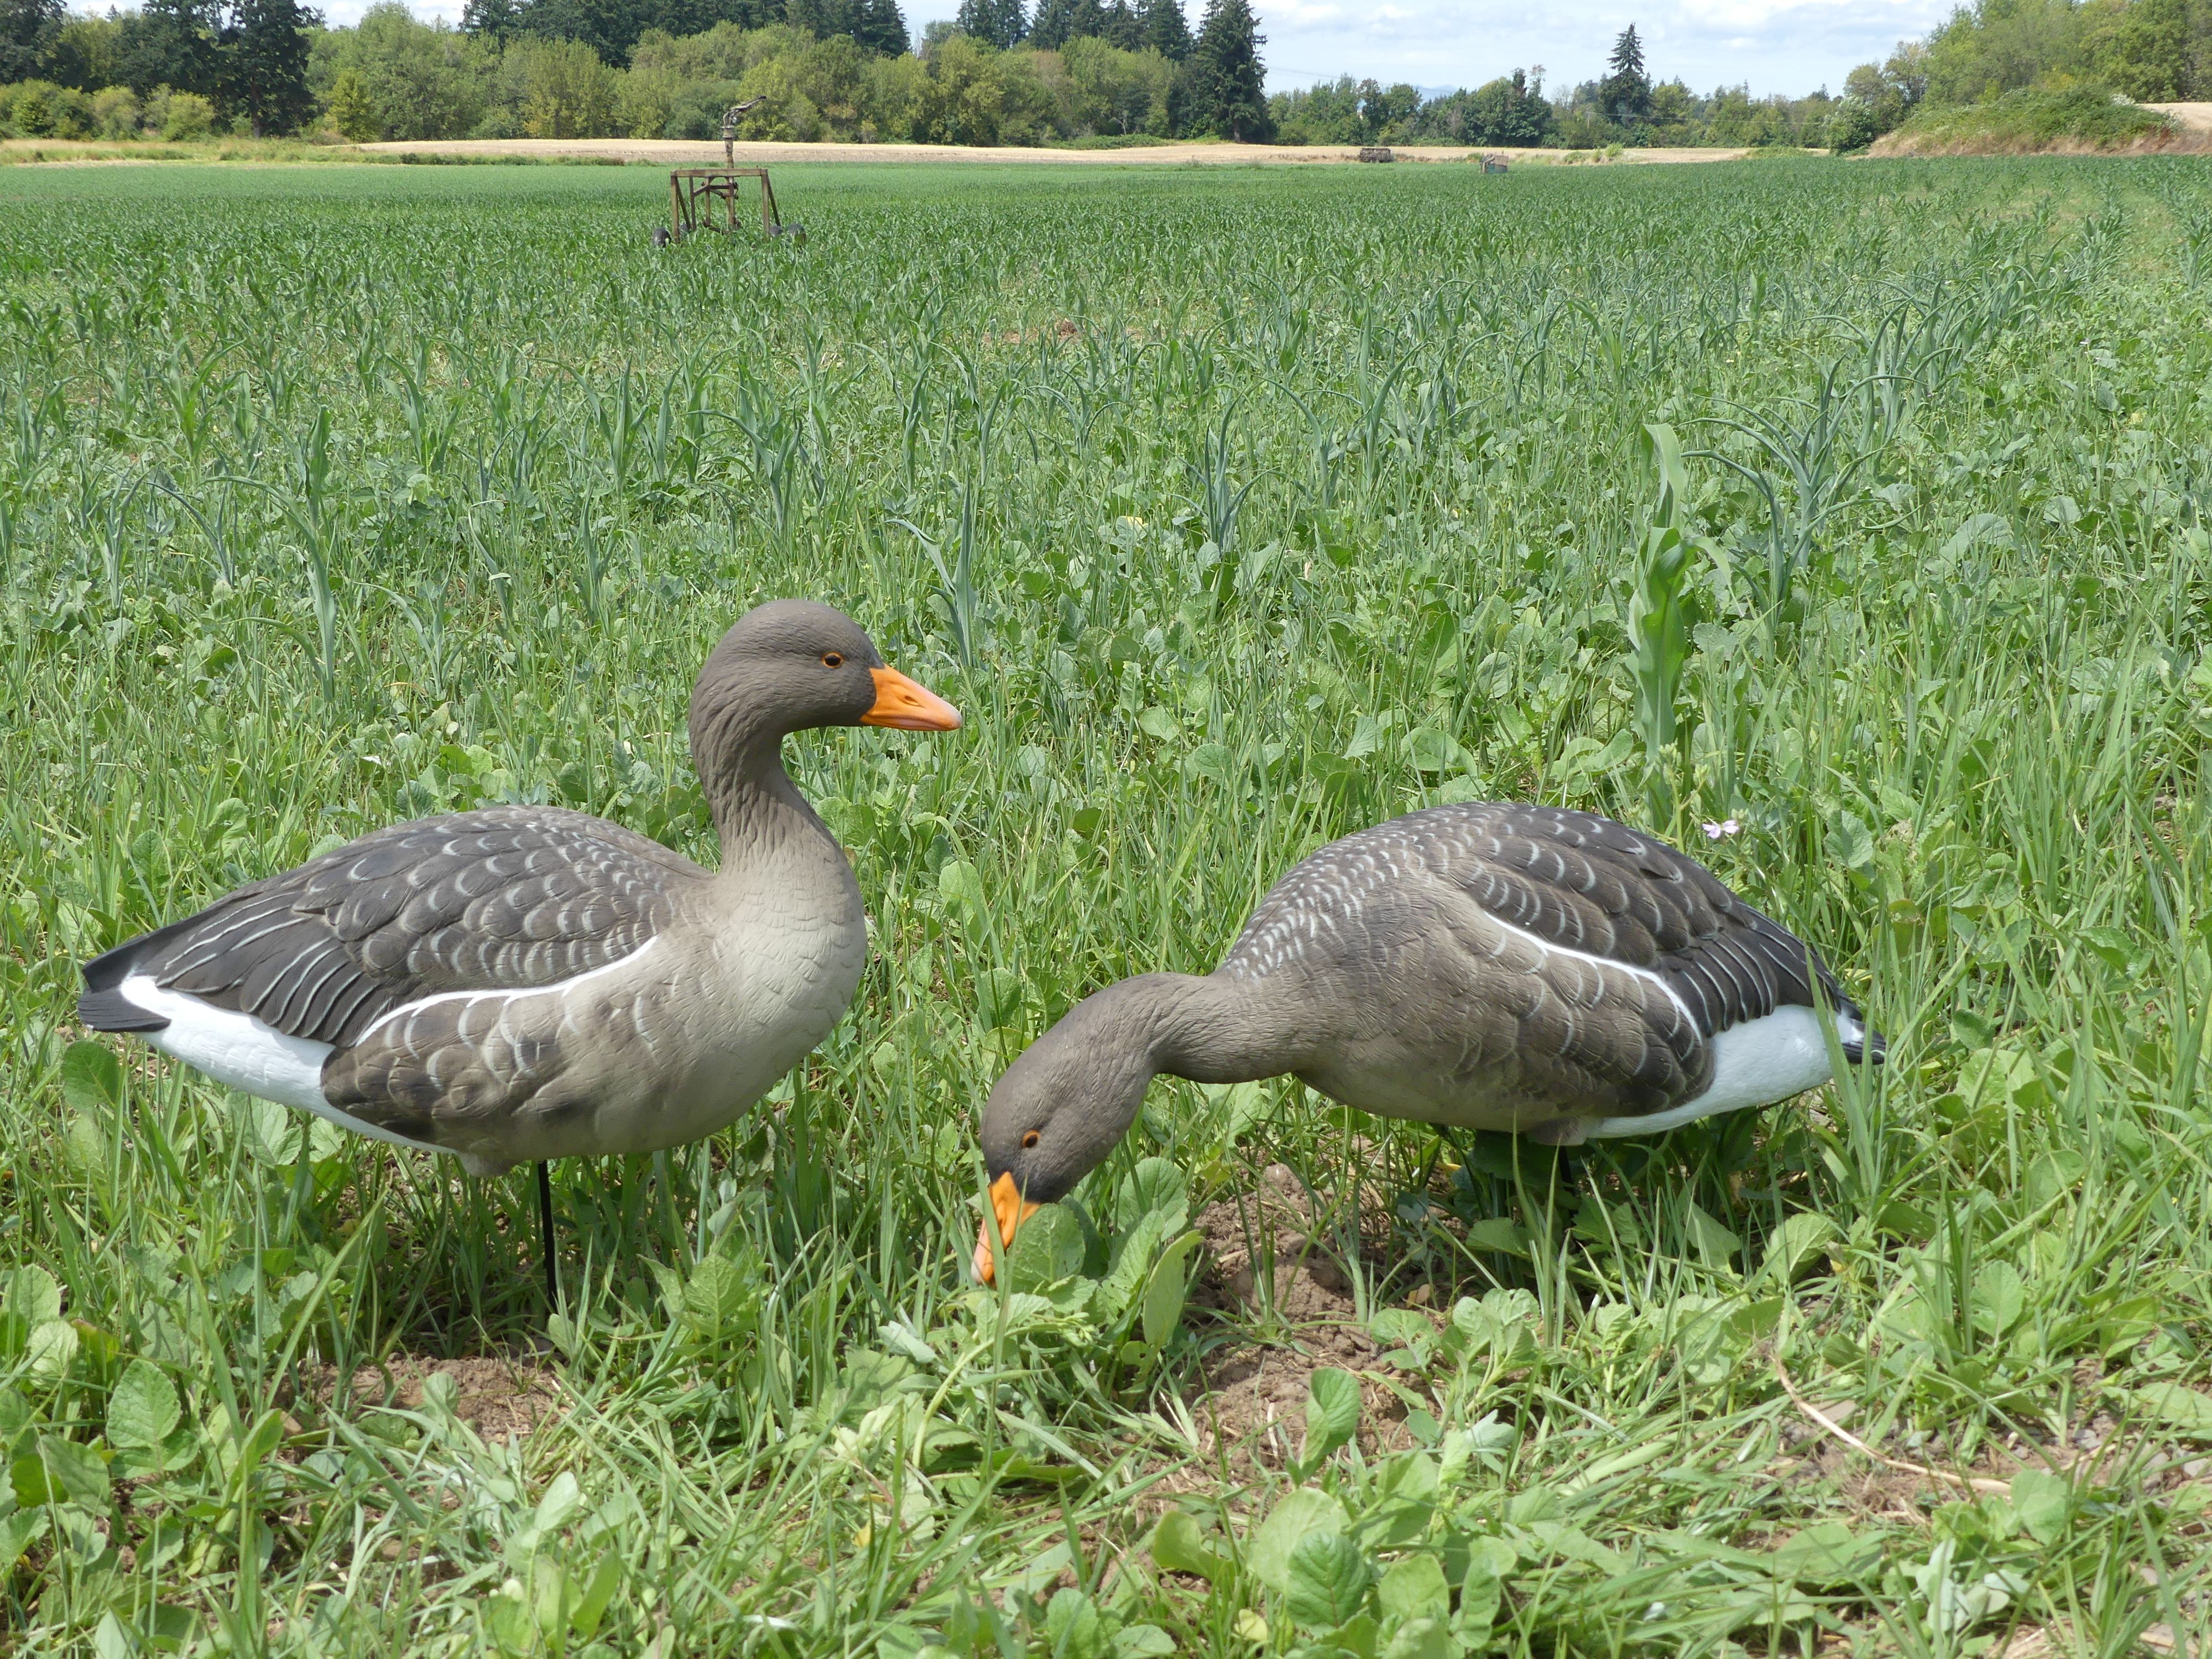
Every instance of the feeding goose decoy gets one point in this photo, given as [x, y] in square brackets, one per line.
[522, 983]
[1483, 966]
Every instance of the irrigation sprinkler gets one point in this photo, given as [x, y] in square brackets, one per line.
[706, 199]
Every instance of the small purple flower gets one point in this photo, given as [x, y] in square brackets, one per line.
[1722, 831]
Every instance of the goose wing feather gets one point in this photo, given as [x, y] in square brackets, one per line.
[506, 898]
[1587, 884]
[1583, 966]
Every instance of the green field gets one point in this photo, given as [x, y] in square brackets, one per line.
[1237, 509]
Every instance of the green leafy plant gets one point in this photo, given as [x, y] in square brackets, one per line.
[446, 479]
[1128, 1288]
[1662, 614]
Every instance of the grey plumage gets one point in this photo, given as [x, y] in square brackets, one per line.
[507, 896]
[1494, 966]
[528, 982]
[1365, 909]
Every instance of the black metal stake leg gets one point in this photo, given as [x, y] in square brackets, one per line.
[545, 1230]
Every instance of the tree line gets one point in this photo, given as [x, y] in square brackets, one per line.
[1002, 72]
[1624, 106]
[2150, 51]
[194, 62]
[820, 69]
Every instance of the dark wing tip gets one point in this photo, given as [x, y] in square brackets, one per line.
[108, 969]
[1870, 1048]
[103, 1008]
[110, 1010]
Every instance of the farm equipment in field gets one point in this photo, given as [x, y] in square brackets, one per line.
[706, 198]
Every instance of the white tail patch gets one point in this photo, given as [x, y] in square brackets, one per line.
[1754, 1063]
[247, 1053]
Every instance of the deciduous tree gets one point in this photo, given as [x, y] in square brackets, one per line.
[28, 29]
[1382, 108]
[395, 76]
[170, 42]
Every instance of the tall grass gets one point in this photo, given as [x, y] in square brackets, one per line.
[1238, 511]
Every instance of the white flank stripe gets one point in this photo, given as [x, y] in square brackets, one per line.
[556, 988]
[1545, 945]
[246, 1054]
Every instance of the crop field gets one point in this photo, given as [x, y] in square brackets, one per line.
[1237, 509]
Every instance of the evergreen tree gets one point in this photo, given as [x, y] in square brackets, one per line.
[820, 18]
[1049, 29]
[264, 64]
[1085, 19]
[610, 28]
[1231, 79]
[879, 26]
[170, 42]
[28, 29]
[1625, 93]
[1122, 27]
[1161, 21]
[1001, 23]
[493, 19]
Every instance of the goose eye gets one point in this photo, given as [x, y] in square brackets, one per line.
[833, 659]
[1030, 1139]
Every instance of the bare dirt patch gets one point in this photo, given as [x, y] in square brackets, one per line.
[2196, 116]
[501, 1397]
[2186, 139]
[1262, 1258]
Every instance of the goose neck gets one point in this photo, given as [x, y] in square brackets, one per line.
[754, 802]
[1212, 1028]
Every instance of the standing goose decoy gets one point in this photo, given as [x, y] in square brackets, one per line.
[1485, 966]
[522, 983]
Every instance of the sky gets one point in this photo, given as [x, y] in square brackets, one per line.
[1776, 45]
[1792, 46]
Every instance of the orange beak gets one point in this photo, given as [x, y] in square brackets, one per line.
[911, 708]
[1009, 1209]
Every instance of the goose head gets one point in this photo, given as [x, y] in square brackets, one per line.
[1061, 1108]
[793, 665]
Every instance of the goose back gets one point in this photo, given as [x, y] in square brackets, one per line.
[1522, 968]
